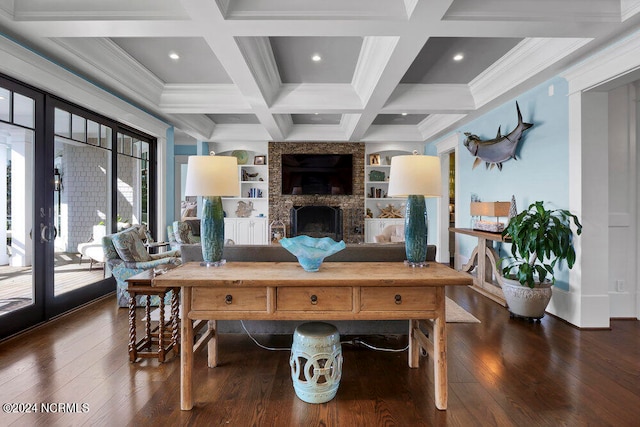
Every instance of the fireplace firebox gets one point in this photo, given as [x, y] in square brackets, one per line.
[317, 221]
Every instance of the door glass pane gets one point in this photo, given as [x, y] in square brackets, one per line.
[5, 103]
[16, 216]
[133, 173]
[23, 110]
[62, 125]
[79, 130]
[81, 207]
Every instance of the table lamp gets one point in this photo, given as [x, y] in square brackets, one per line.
[495, 209]
[415, 177]
[212, 177]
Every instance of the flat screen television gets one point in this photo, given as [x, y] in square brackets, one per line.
[317, 174]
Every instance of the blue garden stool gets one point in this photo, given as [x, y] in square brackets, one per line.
[316, 362]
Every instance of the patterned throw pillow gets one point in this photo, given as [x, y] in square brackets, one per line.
[130, 247]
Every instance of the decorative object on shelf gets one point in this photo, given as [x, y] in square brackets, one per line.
[316, 362]
[246, 176]
[495, 209]
[311, 251]
[415, 177]
[513, 210]
[212, 177]
[277, 231]
[241, 155]
[255, 193]
[539, 239]
[496, 151]
[374, 159]
[244, 209]
[368, 213]
[375, 175]
[390, 211]
[260, 160]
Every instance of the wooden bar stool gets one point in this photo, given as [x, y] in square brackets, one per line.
[160, 340]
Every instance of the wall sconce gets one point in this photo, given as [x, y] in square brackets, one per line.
[57, 180]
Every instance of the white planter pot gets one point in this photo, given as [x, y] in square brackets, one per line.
[524, 301]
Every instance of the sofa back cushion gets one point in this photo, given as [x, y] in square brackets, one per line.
[130, 246]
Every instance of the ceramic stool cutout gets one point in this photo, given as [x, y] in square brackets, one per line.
[316, 362]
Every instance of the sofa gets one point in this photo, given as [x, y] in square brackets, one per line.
[370, 252]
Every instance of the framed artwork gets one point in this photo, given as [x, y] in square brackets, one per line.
[259, 160]
[374, 159]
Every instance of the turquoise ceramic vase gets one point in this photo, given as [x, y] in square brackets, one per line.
[415, 230]
[212, 230]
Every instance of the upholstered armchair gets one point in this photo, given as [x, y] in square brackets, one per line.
[183, 232]
[126, 255]
[391, 234]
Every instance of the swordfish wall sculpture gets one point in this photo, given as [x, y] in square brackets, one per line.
[496, 151]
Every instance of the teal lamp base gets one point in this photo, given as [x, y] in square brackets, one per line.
[415, 231]
[212, 232]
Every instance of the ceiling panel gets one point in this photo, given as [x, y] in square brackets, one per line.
[232, 119]
[316, 119]
[399, 119]
[197, 64]
[293, 57]
[435, 64]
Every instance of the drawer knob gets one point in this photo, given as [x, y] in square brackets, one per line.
[228, 299]
[398, 299]
[314, 299]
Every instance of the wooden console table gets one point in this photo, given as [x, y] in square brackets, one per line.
[488, 278]
[339, 291]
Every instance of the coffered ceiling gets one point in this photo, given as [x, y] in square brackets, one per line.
[384, 70]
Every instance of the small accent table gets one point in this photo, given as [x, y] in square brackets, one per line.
[163, 337]
[484, 259]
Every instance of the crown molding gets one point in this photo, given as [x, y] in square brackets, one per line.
[107, 62]
[629, 8]
[258, 56]
[42, 73]
[526, 60]
[203, 98]
[430, 99]
[615, 61]
[392, 133]
[437, 123]
[317, 98]
[239, 133]
[374, 58]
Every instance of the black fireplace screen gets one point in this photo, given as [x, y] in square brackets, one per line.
[317, 221]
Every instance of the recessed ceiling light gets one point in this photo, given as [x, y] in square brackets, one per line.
[316, 57]
[174, 56]
[404, 114]
[458, 57]
[316, 113]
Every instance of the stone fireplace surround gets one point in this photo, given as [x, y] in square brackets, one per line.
[352, 206]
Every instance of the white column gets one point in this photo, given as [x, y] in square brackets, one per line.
[22, 199]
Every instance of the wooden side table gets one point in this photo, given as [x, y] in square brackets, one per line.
[159, 341]
[484, 259]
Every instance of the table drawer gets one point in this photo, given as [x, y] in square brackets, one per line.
[397, 299]
[315, 299]
[229, 299]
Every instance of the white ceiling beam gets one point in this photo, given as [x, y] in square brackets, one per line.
[316, 98]
[430, 99]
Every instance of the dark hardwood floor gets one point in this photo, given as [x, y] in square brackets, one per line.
[502, 372]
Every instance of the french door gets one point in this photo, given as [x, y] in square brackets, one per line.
[72, 176]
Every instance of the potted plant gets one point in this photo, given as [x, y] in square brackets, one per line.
[540, 238]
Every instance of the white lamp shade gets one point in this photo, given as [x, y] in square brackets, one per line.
[212, 176]
[414, 175]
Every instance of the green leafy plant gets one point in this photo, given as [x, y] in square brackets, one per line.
[540, 238]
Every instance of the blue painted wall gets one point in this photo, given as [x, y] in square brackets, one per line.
[542, 169]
